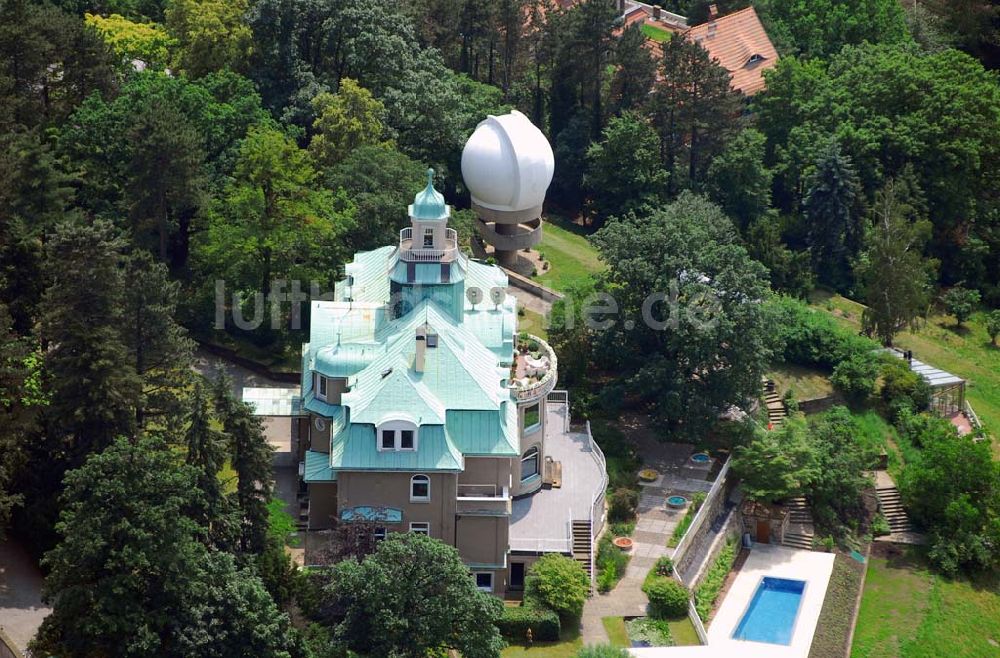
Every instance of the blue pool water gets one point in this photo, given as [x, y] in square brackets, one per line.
[770, 617]
[700, 458]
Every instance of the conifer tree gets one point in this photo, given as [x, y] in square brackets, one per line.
[831, 210]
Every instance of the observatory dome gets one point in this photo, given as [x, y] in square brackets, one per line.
[507, 163]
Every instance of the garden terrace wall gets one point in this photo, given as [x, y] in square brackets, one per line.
[698, 537]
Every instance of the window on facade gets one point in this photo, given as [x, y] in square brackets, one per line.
[321, 387]
[532, 416]
[529, 464]
[484, 580]
[420, 488]
[388, 439]
[406, 439]
[428, 238]
[421, 528]
[380, 533]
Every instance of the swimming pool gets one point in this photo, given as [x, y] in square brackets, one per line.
[770, 617]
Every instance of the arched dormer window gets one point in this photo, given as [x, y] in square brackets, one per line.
[754, 59]
[529, 464]
[397, 435]
[420, 489]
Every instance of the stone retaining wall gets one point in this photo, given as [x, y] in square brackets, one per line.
[699, 534]
[533, 287]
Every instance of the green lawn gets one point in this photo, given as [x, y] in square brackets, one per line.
[533, 323]
[655, 33]
[615, 627]
[571, 256]
[909, 612]
[682, 630]
[566, 648]
[966, 352]
[804, 383]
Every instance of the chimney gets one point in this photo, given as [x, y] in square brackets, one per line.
[418, 357]
[713, 11]
[656, 11]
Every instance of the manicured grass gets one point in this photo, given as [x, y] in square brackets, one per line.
[565, 648]
[804, 383]
[682, 630]
[571, 256]
[830, 640]
[655, 33]
[909, 612]
[615, 627]
[533, 323]
[964, 352]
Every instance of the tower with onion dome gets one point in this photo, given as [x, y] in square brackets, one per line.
[507, 165]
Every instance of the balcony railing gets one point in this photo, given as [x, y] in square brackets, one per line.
[417, 253]
[483, 499]
[538, 387]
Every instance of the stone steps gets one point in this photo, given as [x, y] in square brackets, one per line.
[583, 547]
[890, 503]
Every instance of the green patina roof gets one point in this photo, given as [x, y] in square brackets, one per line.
[484, 433]
[355, 449]
[391, 390]
[317, 467]
[429, 203]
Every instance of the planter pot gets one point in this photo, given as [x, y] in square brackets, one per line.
[624, 543]
[648, 475]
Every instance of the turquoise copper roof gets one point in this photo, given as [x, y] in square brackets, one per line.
[483, 433]
[317, 467]
[356, 449]
[429, 203]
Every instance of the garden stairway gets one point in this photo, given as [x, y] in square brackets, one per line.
[800, 530]
[891, 505]
[583, 547]
[776, 411]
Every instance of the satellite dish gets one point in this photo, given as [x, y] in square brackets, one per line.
[497, 294]
[474, 295]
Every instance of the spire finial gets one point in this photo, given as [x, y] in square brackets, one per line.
[430, 177]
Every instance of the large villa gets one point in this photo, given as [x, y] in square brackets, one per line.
[423, 409]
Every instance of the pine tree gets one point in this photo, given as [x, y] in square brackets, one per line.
[695, 111]
[251, 457]
[165, 174]
[895, 277]
[831, 210]
[206, 453]
[635, 71]
[94, 384]
[159, 347]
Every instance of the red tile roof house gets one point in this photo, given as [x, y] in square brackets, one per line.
[737, 41]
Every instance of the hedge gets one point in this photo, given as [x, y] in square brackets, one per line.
[515, 622]
[668, 599]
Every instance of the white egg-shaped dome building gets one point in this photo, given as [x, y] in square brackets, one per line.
[507, 165]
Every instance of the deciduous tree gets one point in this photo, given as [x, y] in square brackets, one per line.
[960, 302]
[345, 121]
[413, 596]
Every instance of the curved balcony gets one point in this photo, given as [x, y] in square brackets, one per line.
[417, 253]
[535, 369]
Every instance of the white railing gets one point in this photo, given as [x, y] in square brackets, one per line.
[699, 627]
[560, 396]
[547, 383]
[703, 512]
[971, 415]
[597, 503]
[416, 253]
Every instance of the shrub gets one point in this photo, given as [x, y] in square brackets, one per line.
[880, 526]
[812, 338]
[515, 622]
[993, 326]
[611, 563]
[903, 389]
[558, 582]
[711, 585]
[602, 651]
[667, 597]
[856, 376]
[664, 566]
[622, 504]
[960, 302]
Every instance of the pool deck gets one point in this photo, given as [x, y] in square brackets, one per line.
[764, 560]
[776, 562]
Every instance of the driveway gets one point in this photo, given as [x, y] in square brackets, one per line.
[21, 607]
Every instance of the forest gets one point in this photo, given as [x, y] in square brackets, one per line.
[153, 148]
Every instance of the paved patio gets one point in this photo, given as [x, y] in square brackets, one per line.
[540, 522]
